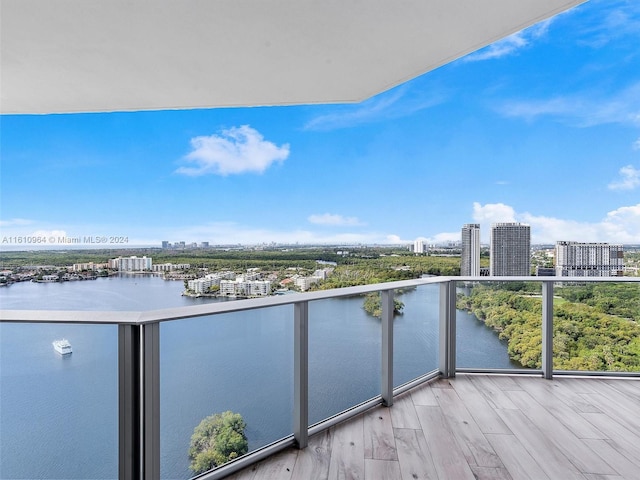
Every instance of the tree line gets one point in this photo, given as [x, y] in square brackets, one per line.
[595, 326]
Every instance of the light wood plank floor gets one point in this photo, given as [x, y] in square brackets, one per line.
[480, 427]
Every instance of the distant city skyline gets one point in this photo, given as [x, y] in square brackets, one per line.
[542, 128]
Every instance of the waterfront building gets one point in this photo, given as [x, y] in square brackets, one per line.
[79, 267]
[170, 267]
[243, 288]
[575, 259]
[131, 264]
[470, 256]
[510, 249]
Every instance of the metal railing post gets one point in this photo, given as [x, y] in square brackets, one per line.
[547, 329]
[387, 305]
[129, 444]
[448, 329]
[301, 374]
[151, 401]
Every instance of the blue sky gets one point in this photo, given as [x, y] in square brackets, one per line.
[542, 128]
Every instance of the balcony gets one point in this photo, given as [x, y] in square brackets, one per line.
[442, 411]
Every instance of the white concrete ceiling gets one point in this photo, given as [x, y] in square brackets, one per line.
[122, 55]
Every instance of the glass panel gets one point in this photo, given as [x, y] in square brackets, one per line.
[58, 413]
[498, 325]
[415, 335]
[241, 362]
[344, 356]
[596, 327]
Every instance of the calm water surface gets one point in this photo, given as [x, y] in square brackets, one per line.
[58, 415]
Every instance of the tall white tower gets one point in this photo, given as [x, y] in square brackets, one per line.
[470, 258]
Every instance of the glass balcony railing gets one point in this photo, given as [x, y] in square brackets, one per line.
[291, 365]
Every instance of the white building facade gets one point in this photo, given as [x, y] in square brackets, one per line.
[575, 259]
[470, 256]
[245, 288]
[131, 264]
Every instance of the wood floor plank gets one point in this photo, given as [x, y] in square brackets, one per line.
[441, 383]
[551, 460]
[403, 413]
[504, 382]
[516, 458]
[613, 404]
[557, 434]
[550, 396]
[624, 440]
[423, 395]
[313, 461]
[381, 470]
[413, 455]
[483, 413]
[279, 466]
[347, 450]
[621, 464]
[474, 445]
[447, 458]
[576, 399]
[629, 388]
[379, 442]
[488, 473]
[492, 394]
[591, 476]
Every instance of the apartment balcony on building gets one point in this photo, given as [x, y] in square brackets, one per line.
[325, 390]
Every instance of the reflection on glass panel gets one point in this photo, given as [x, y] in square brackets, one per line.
[415, 334]
[240, 362]
[58, 412]
[596, 327]
[344, 356]
[498, 325]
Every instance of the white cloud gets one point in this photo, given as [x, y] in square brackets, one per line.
[585, 109]
[493, 212]
[399, 102]
[618, 226]
[235, 150]
[444, 237]
[511, 44]
[629, 179]
[501, 48]
[335, 220]
[636, 144]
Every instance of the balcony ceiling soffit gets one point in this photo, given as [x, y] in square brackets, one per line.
[122, 55]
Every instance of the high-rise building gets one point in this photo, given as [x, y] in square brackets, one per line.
[510, 249]
[470, 257]
[418, 246]
[574, 259]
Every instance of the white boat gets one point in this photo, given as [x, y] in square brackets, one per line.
[63, 347]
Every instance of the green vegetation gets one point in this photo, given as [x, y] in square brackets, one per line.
[595, 326]
[372, 305]
[216, 440]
